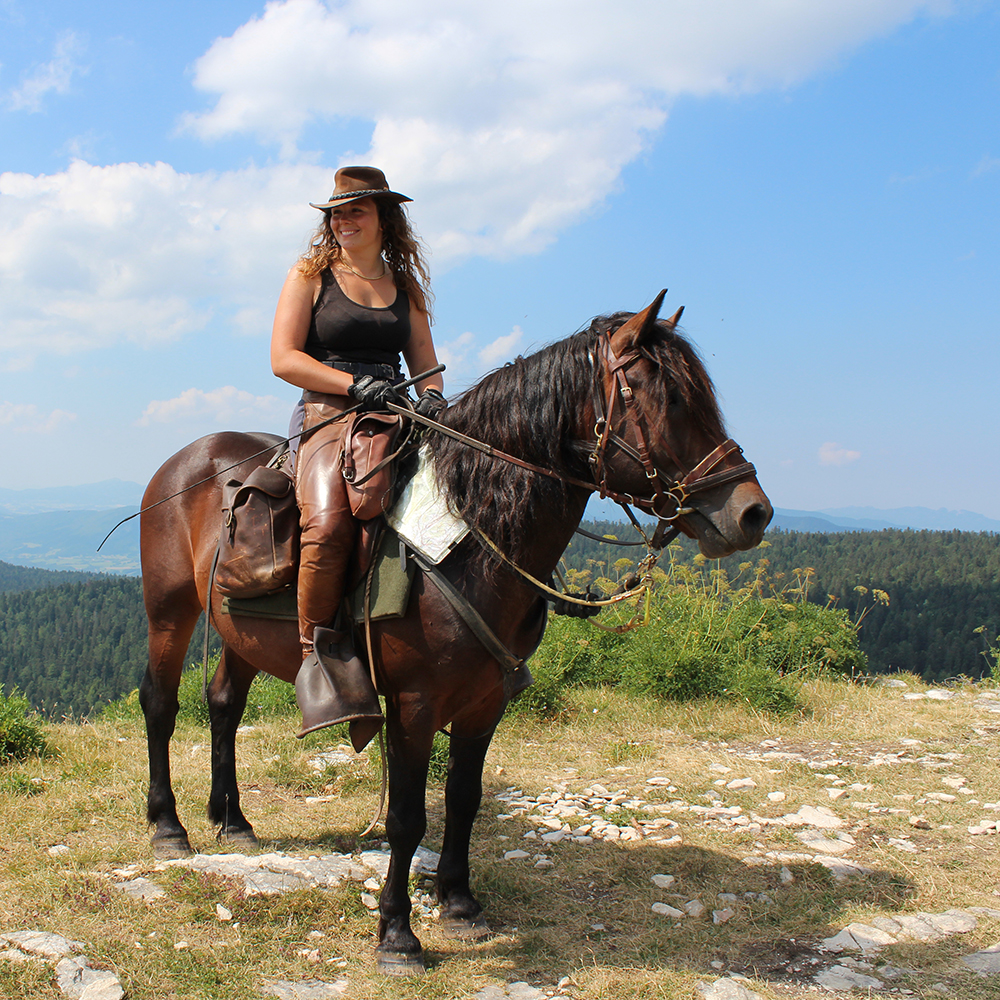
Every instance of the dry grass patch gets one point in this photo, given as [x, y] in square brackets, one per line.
[588, 916]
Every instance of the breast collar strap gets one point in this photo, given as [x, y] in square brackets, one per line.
[664, 489]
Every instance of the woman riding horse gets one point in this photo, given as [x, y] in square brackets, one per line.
[349, 307]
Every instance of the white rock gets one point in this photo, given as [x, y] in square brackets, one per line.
[986, 961]
[662, 881]
[142, 888]
[310, 989]
[667, 911]
[369, 900]
[517, 855]
[42, 943]
[787, 878]
[739, 783]
[656, 780]
[818, 816]
[858, 937]
[836, 793]
[78, 981]
[722, 916]
[16, 955]
[776, 796]
[222, 913]
[938, 694]
[953, 780]
[840, 977]
[694, 908]
[57, 850]
[818, 842]
[726, 989]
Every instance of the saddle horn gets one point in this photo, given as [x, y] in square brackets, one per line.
[638, 328]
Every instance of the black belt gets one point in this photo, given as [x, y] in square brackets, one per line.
[391, 373]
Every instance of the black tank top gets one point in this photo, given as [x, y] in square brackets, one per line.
[343, 330]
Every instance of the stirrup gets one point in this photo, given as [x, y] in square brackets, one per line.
[334, 685]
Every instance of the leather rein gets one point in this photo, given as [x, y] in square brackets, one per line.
[664, 488]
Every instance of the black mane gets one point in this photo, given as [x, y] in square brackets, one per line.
[530, 408]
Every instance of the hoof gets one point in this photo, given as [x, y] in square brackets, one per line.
[170, 848]
[239, 838]
[463, 929]
[397, 963]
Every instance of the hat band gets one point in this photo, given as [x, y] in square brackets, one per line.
[360, 194]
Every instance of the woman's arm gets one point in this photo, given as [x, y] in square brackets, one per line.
[419, 351]
[288, 339]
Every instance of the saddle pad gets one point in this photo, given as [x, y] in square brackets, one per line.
[389, 597]
[281, 605]
[422, 517]
[390, 583]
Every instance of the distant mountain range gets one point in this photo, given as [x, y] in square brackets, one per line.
[61, 527]
[93, 496]
[873, 519]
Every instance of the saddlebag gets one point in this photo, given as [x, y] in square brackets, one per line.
[369, 466]
[259, 545]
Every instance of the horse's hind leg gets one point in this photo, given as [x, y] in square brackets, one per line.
[168, 643]
[227, 699]
[461, 914]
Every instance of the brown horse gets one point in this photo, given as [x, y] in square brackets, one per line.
[632, 381]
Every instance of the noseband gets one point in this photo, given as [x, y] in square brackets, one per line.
[664, 489]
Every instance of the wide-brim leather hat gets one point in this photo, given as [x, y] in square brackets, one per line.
[351, 183]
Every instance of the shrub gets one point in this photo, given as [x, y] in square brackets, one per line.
[268, 697]
[703, 639]
[20, 729]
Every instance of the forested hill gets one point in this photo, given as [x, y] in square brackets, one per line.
[72, 647]
[941, 584]
[29, 578]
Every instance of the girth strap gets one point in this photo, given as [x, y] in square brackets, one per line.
[516, 675]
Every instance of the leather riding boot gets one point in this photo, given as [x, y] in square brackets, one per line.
[334, 685]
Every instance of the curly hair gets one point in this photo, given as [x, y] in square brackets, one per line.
[401, 247]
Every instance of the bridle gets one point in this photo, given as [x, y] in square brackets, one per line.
[664, 489]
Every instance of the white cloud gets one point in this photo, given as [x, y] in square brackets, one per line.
[501, 348]
[506, 122]
[509, 121]
[51, 77]
[135, 252]
[831, 453]
[27, 418]
[226, 405]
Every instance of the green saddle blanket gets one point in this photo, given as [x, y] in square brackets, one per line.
[389, 596]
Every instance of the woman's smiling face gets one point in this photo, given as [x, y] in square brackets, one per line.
[356, 225]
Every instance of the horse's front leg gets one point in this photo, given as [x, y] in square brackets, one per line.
[409, 750]
[227, 699]
[461, 914]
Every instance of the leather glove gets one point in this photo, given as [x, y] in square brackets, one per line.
[431, 403]
[373, 393]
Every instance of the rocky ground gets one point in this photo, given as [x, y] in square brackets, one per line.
[631, 806]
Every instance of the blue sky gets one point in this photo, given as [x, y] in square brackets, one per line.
[816, 182]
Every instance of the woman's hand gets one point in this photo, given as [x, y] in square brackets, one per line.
[373, 393]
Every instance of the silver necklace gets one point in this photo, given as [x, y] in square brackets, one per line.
[364, 277]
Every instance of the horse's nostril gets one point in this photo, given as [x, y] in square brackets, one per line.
[755, 519]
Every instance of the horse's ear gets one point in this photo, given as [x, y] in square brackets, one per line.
[637, 329]
[675, 319]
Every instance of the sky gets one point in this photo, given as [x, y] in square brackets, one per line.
[816, 181]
